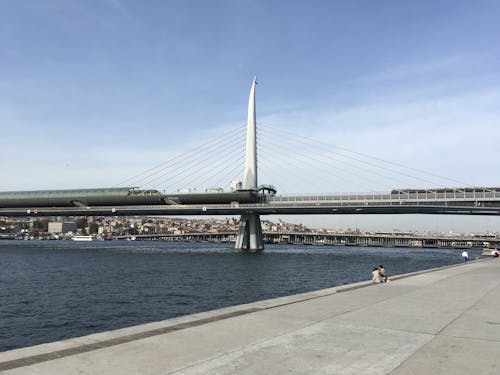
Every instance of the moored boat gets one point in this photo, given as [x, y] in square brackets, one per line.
[82, 238]
[487, 252]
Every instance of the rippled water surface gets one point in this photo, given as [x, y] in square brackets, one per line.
[53, 290]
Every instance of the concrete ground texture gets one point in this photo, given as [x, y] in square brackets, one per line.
[443, 321]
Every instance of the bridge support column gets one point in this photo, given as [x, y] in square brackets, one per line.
[249, 236]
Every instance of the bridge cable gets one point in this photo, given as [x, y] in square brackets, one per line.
[373, 157]
[302, 164]
[188, 162]
[178, 158]
[194, 165]
[320, 161]
[364, 162]
[307, 155]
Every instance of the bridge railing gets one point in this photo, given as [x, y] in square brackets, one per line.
[443, 195]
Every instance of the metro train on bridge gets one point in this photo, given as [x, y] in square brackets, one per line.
[127, 196]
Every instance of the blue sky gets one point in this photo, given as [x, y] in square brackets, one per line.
[92, 92]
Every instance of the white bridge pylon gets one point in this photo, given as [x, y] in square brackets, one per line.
[249, 235]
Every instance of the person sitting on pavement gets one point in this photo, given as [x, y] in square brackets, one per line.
[383, 274]
[376, 276]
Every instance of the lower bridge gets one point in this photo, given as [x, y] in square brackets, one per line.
[332, 239]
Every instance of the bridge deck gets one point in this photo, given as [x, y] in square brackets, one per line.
[463, 201]
[442, 322]
[262, 209]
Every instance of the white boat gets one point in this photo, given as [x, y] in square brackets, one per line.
[82, 238]
[487, 252]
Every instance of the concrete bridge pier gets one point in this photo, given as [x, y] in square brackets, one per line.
[249, 236]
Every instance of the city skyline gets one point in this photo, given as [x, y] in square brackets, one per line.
[95, 92]
[133, 225]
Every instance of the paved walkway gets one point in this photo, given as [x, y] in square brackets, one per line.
[442, 322]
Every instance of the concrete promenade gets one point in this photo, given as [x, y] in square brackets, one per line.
[444, 321]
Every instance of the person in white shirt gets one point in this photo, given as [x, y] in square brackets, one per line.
[465, 255]
[376, 276]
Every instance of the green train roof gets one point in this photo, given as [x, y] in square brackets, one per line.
[66, 193]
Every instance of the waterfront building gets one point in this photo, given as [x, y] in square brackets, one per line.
[57, 227]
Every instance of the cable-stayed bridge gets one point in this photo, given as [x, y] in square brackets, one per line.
[205, 181]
